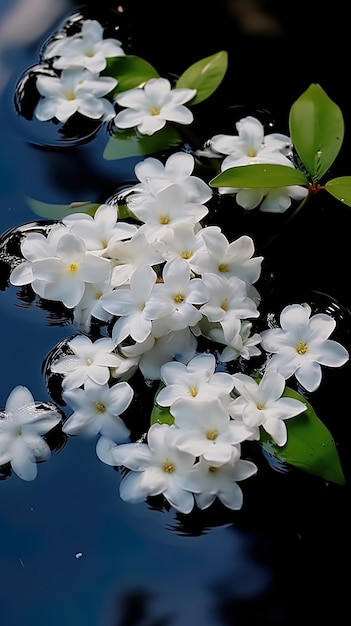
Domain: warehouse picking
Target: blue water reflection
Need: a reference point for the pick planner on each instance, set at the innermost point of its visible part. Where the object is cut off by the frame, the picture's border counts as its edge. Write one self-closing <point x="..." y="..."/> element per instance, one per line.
<point x="72" y="552"/>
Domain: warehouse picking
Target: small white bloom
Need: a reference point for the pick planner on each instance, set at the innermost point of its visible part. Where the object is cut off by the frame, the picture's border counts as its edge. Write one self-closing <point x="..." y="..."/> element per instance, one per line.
<point x="166" y="210"/>
<point x="261" y="404"/>
<point x="154" y="352"/>
<point x="97" y="410"/>
<point x="97" y="231"/>
<point x="205" y="429"/>
<point x="85" y="49"/>
<point x="154" y="177"/>
<point x="21" y="428"/>
<point x="90" y="360"/>
<point x="209" y="482"/>
<point x="196" y="382"/>
<point x="184" y="241"/>
<point x="227" y="298"/>
<point x="228" y="259"/>
<point x="236" y="336"/>
<point x="180" y="295"/>
<point x="301" y="345"/>
<point x="128" y="256"/>
<point x="150" y="107"/>
<point x="158" y="467"/>
<point x="134" y="306"/>
<point x="251" y="145"/>
<point x="75" y="91"/>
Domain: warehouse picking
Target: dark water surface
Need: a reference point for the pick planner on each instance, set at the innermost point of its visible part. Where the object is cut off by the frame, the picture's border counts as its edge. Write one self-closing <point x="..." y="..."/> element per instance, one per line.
<point x="72" y="552"/>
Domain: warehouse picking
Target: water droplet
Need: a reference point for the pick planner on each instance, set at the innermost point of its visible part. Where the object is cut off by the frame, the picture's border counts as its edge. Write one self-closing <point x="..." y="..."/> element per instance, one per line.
<point x="78" y="555"/>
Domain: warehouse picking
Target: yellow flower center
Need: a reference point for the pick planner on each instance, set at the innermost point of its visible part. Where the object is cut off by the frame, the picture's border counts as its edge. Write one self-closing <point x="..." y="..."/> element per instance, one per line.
<point x="179" y="298"/>
<point x="99" y="407"/>
<point x="212" y="434"/>
<point x="72" y="267"/>
<point x="251" y="152"/>
<point x="193" y="391"/>
<point x="168" y="467"/>
<point x="213" y="469"/>
<point x="186" y="254"/>
<point x="70" y="95"/>
<point x="19" y="432"/>
<point x="98" y="295"/>
<point x="301" y="347"/>
<point x="90" y="53"/>
<point x="164" y="219"/>
<point x="89" y="361"/>
<point x="104" y="243"/>
<point x="223" y="267"/>
<point x="154" y="110"/>
<point x="260" y="406"/>
<point x="224" y="304"/>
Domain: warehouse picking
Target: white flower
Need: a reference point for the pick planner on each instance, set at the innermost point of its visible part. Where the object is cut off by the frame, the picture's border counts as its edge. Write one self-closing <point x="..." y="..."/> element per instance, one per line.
<point x="97" y="409"/>
<point x="227" y="299"/>
<point x="184" y="241"/>
<point x="209" y="482"/>
<point x="134" y="306"/>
<point x="251" y="145"/>
<point x="261" y="404"/>
<point x="205" y="429"/>
<point x="150" y="107"/>
<point x="90" y="360"/>
<point x="196" y="382"/>
<point x="166" y="210"/>
<point x="301" y="345"/>
<point x="179" y="294"/>
<point x="227" y="259"/>
<point x="75" y="91"/>
<point x="154" y="352"/>
<point x="158" y="467"/>
<point x="128" y="256"/>
<point x="21" y="428"/>
<point x="236" y="336"/>
<point x="275" y="200"/>
<point x="154" y="177"/>
<point x="85" y="49"/>
<point x="97" y="231"/>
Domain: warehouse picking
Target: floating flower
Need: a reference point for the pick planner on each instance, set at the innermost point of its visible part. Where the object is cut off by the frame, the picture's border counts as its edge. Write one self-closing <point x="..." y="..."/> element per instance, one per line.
<point x="90" y="360"/>
<point x="85" y="49"/>
<point x="205" y="429"/>
<point x="251" y="145"/>
<point x="236" y="336"/>
<point x="75" y="91"/>
<point x="275" y="200"/>
<point x="261" y="404"/>
<point x="22" y="426"/>
<point x="157" y="467"/>
<point x="97" y="410"/>
<point x="302" y="345"/>
<point x="209" y="482"/>
<point x="150" y="107"/>
<point x="227" y="299"/>
<point x="196" y="382"/>
<point x="178" y="168"/>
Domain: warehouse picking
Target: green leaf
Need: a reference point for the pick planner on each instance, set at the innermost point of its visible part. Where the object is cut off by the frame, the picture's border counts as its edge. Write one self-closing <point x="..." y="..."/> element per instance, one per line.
<point x="340" y="188"/>
<point x="259" y="175"/>
<point x="204" y="76"/>
<point x="58" y="211"/>
<point x="310" y="446"/>
<point x="130" y="71"/>
<point x="317" y="130"/>
<point x="161" y="415"/>
<point x="130" y="143"/>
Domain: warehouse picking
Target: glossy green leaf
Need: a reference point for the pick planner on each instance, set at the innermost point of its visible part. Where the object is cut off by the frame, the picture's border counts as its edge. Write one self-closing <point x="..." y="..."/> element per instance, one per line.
<point x="204" y="76"/>
<point x="340" y="188"/>
<point x="130" y="71"/>
<point x="161" y="415"/>
<point x="129" y="143"/>
<point x="310" y="446"/>
<point x="317" y="130"/>
<point x="259" y="175"/>
<point x="58" y="211"/>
